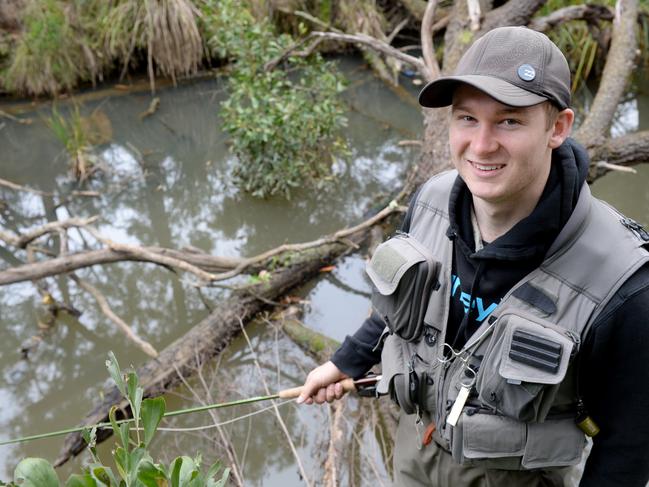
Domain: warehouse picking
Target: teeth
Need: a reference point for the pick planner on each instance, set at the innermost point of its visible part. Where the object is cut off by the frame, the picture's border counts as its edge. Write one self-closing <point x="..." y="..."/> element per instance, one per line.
<point x="487" y="168"/>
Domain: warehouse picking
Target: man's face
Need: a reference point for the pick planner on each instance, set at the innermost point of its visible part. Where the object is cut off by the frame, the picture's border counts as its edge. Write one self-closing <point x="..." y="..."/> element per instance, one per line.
<point x="503" y="153"/>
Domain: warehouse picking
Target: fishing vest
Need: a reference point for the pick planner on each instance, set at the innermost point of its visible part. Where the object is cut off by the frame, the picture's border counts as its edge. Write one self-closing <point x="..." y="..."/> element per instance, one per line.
<point x="507" y="399"/>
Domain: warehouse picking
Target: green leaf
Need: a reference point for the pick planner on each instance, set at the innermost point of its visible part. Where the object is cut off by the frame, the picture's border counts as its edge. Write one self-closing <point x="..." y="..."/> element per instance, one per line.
<point x="35" y="472"/>
<point x="152" y="411"/>
<point x="134" y="459"/>
<point x="152" y="475"/>
<point x="134" y="394"/>
<point x="116" y="373"/>
<point x="121" y="462"/>
<point x="119" y="429"/>
<point x="76" y="480"/>
<point x="182" y="469"/>
<point x="104" y="475"/>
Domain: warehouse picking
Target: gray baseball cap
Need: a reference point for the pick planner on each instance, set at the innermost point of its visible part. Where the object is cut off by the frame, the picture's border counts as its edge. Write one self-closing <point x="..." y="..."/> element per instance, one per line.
<point x="515" y="65"/>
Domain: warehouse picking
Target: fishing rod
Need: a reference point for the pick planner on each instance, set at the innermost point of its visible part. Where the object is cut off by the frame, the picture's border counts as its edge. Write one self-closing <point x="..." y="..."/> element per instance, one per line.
<point x="365" y="386"/>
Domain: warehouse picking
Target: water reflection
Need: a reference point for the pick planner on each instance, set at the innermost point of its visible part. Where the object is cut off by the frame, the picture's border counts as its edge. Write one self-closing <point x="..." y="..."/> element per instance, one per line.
<point x="166" y="183"/>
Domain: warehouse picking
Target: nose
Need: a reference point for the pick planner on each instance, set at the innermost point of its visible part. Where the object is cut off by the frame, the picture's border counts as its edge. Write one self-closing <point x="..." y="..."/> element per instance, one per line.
<point x="484" y="141"/>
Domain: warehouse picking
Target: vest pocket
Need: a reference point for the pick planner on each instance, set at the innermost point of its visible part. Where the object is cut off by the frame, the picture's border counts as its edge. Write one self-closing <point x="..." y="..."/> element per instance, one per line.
<point x="499" y="442"/>
<point x="404" y="273"/>
<point x="525" y="362"/>
<point x="553" y="443"/>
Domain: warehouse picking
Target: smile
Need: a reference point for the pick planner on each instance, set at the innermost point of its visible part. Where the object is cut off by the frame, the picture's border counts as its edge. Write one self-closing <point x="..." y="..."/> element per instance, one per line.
<point x="486" y="167"/>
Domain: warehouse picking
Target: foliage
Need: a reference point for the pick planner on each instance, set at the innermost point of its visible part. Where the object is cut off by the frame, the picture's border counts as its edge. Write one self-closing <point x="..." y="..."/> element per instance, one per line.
<point x="135" y="467"/>
<point x="284" y="123"/>
<point x="584" y="45"/>
<point x="53" y="53"/>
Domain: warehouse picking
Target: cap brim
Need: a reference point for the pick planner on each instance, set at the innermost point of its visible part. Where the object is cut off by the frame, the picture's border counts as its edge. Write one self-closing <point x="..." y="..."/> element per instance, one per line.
<point x="439" y="93"/>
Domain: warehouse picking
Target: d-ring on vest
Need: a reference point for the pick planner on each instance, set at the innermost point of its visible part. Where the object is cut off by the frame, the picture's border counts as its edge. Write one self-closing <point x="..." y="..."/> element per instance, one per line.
<point x="519" y="365"/>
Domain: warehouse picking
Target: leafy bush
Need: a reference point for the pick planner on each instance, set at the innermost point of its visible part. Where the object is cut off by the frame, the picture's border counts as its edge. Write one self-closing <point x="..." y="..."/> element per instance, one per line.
<point x="135" y="466"/>
<point x="284" y="123"/>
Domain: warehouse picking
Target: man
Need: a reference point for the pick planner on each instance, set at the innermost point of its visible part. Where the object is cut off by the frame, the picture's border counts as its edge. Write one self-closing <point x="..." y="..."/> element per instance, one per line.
<point x="510" y="318"/>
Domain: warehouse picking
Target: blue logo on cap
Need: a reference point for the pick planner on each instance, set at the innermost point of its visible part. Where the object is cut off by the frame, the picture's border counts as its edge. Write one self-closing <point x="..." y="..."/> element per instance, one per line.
<point x="526" y="72"/>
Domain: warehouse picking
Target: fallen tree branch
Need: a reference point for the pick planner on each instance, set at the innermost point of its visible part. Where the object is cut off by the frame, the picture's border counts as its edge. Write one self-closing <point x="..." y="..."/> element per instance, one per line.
<point x="589" y="12"/>
<point x="147" y="255"/>
<point x="52" y="227"/>
<point x="428" y="50"/>
<point x="362" y="39"/>
<point x="198" y="263"/>
<point x="18" y="187"/>
<point x="211" y="335"/>
<point x="143" y="345"/>
<point x="620" y="62"/>
<point x="614" y="167"/>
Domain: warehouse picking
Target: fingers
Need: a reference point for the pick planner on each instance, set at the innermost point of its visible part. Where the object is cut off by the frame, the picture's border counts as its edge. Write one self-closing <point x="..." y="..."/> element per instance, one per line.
<point x="322" y="385"/>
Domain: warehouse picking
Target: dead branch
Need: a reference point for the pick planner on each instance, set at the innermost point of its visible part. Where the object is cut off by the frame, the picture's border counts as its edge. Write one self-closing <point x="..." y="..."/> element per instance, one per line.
<point x="18" y="187"/>
<point x="428" y="50"/>
<point x="22" y="121"/>
<point x="375" y="44"/>
<point x="511" y="13"/>
<point x="153" y="257"/>
<point x="590" y="13"/>
<point x="145" y="346"/>
<point x="336" y="437"/>
<point x="416" y="8"/>
<point x="614" y="167"/>
<point x="620" y="62"/>
<point x="52" y="227"/>
<point x="624" y="151"/>
<point x="474" y="14"/>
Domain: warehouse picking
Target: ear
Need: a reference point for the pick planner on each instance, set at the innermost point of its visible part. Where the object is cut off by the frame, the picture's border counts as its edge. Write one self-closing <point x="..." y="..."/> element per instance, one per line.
<point x="561" y="128"/>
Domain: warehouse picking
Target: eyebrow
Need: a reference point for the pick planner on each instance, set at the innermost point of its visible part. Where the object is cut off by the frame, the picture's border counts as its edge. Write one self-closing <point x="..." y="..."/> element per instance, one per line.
<point x="507" y="110"/>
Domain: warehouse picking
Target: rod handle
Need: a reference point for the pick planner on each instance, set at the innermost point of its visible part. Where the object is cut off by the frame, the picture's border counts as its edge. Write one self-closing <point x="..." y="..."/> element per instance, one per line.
<point x="292" y="393"/>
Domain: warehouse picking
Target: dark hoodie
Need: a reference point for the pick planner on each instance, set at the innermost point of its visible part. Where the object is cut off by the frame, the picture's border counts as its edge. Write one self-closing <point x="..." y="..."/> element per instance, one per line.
<point x="614" y="362"/>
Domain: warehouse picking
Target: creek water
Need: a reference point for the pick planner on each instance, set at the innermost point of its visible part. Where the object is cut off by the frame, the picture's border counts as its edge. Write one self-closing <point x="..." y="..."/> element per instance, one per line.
<point x="169" y="185"/>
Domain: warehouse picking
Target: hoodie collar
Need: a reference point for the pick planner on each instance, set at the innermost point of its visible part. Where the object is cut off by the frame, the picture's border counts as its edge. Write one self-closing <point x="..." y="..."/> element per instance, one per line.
<point x="533" y="235"/>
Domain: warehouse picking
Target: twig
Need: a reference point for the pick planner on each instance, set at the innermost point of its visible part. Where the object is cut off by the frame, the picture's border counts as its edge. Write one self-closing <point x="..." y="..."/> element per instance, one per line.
<point x="18" y="187"/>
<point x="402" y="143"/>
<point x="397" y="29"/>
<point x="145" y="346"/>
<point x="22" y="121"/>
<point x="615" y="167"/>
<point x="279" y="417"/>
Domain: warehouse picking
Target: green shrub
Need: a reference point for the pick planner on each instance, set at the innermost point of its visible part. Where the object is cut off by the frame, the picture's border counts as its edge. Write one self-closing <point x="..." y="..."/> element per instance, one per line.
<point x="135" y="467"/>
<point x="285" y="122"/>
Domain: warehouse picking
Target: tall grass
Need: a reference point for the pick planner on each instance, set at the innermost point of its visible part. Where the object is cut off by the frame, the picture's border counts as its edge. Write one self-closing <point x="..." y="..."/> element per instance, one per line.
<point x="50" y="56"/>
<point x="166" y="30"/>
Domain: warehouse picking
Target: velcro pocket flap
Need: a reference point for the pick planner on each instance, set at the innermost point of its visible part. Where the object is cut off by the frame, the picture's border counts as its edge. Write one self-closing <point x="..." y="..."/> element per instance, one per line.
<point x="534" y="353"/>
<point x="390" y="262"/>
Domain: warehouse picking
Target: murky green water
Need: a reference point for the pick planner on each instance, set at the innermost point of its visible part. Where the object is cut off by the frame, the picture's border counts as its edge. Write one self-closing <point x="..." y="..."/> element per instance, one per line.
<point x="168" y="185"/>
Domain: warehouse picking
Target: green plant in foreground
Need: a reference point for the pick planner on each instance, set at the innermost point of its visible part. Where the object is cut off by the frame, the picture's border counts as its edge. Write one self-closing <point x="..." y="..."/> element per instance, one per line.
<point x="135" y="467"/>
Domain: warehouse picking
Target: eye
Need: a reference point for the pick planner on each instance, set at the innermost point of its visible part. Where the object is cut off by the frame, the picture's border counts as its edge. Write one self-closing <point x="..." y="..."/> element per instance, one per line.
<point x="510" y="122"/>
<point x="466" y="118"/>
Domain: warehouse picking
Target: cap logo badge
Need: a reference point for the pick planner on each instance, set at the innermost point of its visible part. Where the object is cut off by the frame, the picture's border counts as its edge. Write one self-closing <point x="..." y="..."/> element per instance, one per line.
<point x="526" y="72"/>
